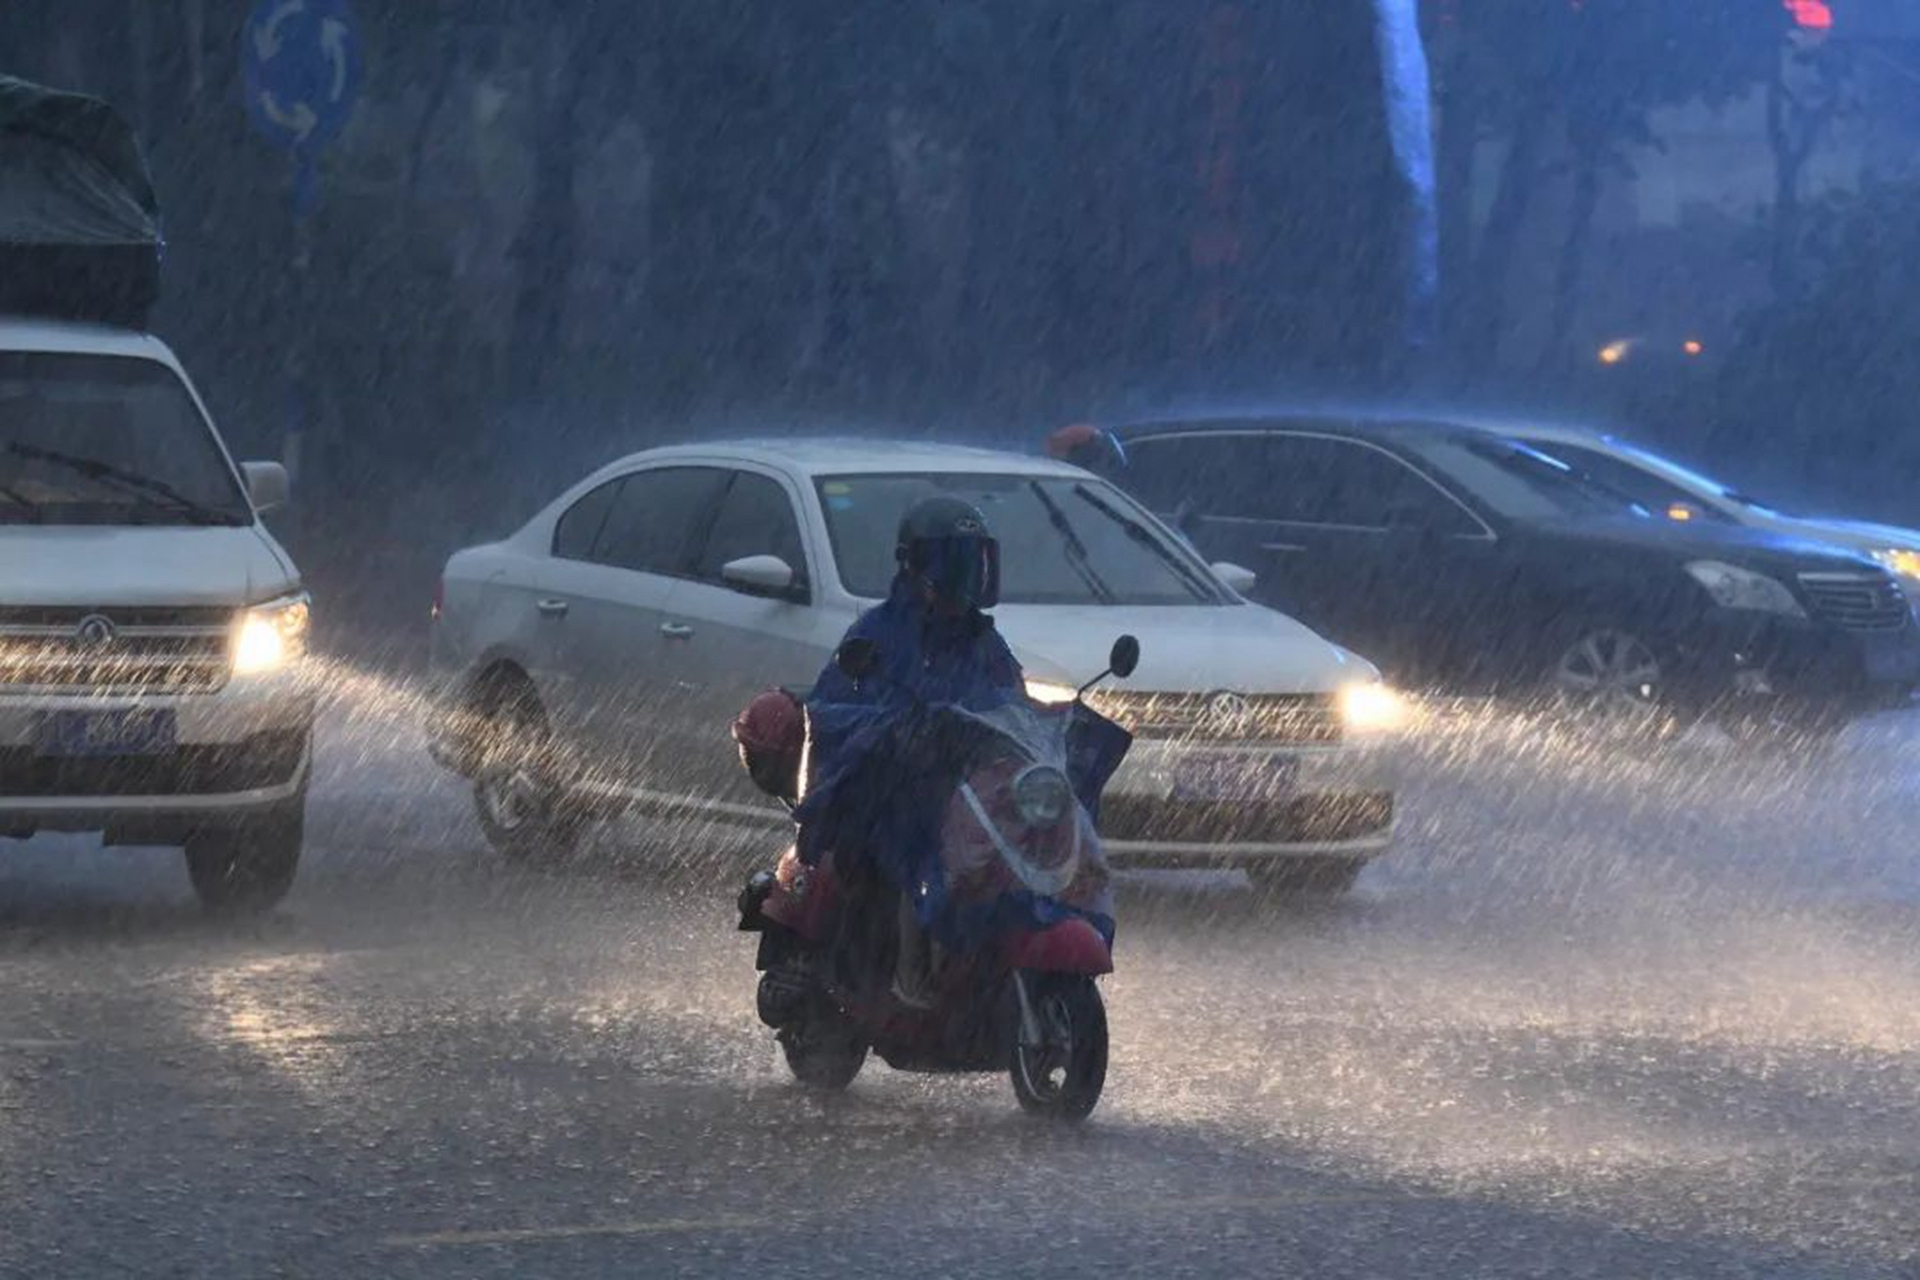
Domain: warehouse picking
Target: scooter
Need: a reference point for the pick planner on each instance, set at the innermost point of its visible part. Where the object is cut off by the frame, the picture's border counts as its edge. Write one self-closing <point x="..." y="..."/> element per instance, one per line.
<point x="1020" y="861"/>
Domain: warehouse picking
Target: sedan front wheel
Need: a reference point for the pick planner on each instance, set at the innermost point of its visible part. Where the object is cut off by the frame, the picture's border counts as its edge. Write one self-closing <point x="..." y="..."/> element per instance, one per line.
<point x="1611" y="680"/>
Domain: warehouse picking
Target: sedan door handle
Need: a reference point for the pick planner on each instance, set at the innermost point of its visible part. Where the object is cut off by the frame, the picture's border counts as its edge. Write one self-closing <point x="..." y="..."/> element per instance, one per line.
<point x="676" y="631"/>
<point x="1283" y="548"/>
<point x="552" y="608"/>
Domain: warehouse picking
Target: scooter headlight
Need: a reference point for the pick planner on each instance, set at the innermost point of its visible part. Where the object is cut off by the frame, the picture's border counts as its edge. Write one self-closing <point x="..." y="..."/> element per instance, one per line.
<point x="1042" y="795"/>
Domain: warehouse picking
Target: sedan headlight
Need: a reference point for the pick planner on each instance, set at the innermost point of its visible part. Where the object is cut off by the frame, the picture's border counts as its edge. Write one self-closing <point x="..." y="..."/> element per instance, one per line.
<point x="1047" y="693"/>
<point x="271" y="635"/>
<point x="1371" y="708"/>
<point x="1903" y="561"/>
<point x="1735" y="588"/>
<point x="1042" y="795"/>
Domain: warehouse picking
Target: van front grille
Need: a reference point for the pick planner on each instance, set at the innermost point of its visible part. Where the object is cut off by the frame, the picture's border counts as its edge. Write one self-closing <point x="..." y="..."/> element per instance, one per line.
<point x="68" y="650"/>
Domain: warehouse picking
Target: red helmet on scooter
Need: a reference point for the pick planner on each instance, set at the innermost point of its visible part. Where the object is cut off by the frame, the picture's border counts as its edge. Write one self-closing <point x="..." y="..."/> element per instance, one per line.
<point x="772" y="732"/>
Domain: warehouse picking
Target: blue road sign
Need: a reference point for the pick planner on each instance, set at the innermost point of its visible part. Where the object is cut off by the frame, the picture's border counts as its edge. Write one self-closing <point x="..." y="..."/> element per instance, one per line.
<point x="300" y="67"/>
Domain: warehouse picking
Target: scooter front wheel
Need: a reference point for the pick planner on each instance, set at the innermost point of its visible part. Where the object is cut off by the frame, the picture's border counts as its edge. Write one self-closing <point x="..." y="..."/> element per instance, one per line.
<point x="824" y="1051"/>
<point x="1061" y="1076"/>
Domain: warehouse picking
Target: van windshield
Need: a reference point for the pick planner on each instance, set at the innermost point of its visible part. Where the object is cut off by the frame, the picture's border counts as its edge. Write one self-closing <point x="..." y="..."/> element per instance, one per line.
<point x="108" y="440"/>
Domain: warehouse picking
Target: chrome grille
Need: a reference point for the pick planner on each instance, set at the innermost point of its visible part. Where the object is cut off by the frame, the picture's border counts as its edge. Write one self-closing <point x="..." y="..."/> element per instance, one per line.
<point x="1858" y="601"/>
<point x="62" y="649"/>
<point x="1282" y="719"/>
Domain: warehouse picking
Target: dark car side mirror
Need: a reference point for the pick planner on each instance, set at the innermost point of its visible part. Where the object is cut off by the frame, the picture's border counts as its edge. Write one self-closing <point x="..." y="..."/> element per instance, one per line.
<point x="857" y="658"/>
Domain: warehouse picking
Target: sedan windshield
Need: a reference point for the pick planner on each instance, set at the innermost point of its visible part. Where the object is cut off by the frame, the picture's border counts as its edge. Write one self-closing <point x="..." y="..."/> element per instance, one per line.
<point x="107" y="440"/>
<point x="1063" y="540"/>
<point x="1522" y="482"/>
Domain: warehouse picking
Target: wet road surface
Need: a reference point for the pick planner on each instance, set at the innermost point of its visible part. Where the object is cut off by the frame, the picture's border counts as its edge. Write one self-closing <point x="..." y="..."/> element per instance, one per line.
<point x="1598" y="1017"/>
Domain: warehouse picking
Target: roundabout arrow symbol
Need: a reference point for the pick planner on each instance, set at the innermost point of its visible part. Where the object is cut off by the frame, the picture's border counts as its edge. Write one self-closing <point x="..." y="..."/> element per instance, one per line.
<point x="266" y="37"/>
<point x="333" y="41"/>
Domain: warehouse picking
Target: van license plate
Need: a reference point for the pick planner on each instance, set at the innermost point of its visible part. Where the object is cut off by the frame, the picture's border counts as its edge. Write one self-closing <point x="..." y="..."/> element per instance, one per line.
<point x="1236" y="778"/>
<point x="96" y="734"/>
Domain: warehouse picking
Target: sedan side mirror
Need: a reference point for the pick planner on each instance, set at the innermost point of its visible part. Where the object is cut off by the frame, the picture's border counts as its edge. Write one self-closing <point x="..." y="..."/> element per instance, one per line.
<point x="267" y="485"/>
<point x="759" y="576"/>
<point x="1238" y="578"/>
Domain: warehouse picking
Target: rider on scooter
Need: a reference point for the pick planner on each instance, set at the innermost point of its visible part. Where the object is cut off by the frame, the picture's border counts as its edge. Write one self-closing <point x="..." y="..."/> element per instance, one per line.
<point x="934" y="644"/>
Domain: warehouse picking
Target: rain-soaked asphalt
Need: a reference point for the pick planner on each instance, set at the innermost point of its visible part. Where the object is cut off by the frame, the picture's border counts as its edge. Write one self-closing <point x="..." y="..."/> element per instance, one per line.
<point x="1598" y="1017"/>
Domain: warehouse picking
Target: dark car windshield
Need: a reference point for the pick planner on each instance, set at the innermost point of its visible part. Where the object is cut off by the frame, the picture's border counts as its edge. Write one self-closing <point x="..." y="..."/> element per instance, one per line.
<point x="1522" y="482"/>
<point x="1063" y="540"/>
<point x="107" y="440"/>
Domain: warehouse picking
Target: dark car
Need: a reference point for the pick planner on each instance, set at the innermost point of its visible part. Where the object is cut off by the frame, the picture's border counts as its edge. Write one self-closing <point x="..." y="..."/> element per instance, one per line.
<point x="1469" y="562"/>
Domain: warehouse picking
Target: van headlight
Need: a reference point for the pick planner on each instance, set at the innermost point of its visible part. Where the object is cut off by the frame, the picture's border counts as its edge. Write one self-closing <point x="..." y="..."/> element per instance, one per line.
<point x="272" y="635"/>
<point x="1735" y="588"/>
<point x="1371" y="708"/>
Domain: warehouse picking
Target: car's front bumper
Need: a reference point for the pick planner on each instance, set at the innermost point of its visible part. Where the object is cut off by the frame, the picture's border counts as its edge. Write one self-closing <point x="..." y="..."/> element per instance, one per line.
<point x="1737" y="653"/>
<point x="238" y="751"/>
<point x="1297" y="802"/>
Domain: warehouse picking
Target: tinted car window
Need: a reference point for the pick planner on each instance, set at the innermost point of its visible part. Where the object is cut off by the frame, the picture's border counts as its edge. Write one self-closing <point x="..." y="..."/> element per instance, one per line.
<point x="755" y="519"/>
<point x="1655" y="492"/>
<point x="1520" y="481"/>
<point x="1320" y="480"/>
<point x="1291" y="478"/>
<point x="576" y="532"/>
<point x="1211" y="475"/>
<point x="655" y="517"/>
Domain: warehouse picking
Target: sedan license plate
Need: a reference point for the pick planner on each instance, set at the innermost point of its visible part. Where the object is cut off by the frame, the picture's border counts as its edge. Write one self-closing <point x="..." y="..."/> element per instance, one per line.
<point x="1236" y="778"/>
<point x="95" y="734"/>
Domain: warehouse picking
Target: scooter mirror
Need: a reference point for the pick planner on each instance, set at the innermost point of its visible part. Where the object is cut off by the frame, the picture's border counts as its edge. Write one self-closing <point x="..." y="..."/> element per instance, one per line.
<point x="857" y="658"/>
<point x="1125" y="656"/>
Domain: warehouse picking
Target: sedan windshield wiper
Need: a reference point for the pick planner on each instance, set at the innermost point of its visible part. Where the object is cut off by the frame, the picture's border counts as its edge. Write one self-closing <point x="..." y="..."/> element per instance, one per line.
<point x="1188" y="575"/>
<point x="125" y="482"/>
<point x="1076" y="550"/>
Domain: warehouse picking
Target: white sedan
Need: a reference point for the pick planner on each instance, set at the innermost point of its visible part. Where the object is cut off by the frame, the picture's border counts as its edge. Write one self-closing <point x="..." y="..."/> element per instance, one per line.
<point x="593" y="661"/>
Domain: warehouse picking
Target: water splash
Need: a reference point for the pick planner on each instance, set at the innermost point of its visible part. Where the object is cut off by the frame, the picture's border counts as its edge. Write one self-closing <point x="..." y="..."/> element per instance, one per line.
<point x="1403" y="72"/>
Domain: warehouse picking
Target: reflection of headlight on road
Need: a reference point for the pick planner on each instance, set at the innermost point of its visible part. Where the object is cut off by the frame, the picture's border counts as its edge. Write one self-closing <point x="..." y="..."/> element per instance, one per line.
<point x="1902" y="561"/>
<point x="1371" y="708"/>
<point x="271" y="635"/>
<point x="1049" y="693"/>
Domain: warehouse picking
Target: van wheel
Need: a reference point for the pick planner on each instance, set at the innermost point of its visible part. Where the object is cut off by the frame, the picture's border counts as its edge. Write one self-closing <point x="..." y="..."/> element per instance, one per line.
<point x="521" y="810"/>
<point x="248" y="869"/>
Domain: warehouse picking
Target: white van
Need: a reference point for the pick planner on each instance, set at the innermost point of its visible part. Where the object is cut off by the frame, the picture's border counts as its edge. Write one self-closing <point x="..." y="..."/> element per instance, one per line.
<point x="151" y="630"/>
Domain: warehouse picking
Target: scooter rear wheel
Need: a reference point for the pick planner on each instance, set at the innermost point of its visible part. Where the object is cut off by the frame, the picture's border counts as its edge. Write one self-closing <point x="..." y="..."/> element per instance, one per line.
<point x="1062" y="1078"/>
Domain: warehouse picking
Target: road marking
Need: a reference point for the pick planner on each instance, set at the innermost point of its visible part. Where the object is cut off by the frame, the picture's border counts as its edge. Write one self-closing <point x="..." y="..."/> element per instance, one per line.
<point x="657" y="1226"/>
<point x="746" y="1222"/>
<point x="35" y="1044"/>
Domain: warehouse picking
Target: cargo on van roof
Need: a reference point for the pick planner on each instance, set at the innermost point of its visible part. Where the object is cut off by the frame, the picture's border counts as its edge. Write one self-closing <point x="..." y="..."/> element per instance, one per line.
<point x="80" y="231"/>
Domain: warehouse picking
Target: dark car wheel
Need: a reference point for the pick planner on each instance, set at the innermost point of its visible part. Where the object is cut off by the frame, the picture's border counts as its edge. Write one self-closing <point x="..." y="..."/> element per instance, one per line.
<point x="1610" y="680"/>
<point x="521" y="810"/>
<point x="1062" y="1078"/>
<point x="250" y="868"/>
